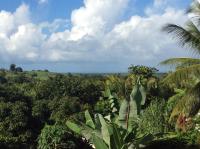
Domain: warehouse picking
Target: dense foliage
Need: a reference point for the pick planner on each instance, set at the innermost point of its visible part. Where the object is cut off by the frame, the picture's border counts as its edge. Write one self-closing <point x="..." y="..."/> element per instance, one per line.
<point x="140" y="109"/>
<point x="30" y="105"/>
<point x="35" y="106"/>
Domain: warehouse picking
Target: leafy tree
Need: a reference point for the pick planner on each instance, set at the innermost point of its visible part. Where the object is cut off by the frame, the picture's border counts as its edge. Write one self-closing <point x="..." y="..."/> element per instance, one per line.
<point x="15" y="118"/>
<point x="64" y="108"/>
<point x="88" y="91"/>
<point x="142" y="70"/>
<point x="41" y="113"/>
<point x="19" y="78"/>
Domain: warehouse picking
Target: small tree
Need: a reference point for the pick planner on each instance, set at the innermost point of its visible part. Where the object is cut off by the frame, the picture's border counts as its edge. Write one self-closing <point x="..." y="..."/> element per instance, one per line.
<point x="142" y="70"/>
<point x="12" y="67"/>
<point x="18" y="69"/>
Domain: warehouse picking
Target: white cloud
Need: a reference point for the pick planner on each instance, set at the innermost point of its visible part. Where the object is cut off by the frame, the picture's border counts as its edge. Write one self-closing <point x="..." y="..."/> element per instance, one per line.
<point x="159" y="6"/>
<point x="9" y="21"/>
<point x="55" y="25"/>
<point x="98" y="34"/>
<point x="19" y="38"/>
<point x="96" y="17"/>
<point x="141" y="39"/>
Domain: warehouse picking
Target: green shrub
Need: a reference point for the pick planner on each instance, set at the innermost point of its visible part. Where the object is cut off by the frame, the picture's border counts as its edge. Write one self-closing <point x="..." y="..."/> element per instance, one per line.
<point x="152" y="120"/>
<point x="57" y="136"/>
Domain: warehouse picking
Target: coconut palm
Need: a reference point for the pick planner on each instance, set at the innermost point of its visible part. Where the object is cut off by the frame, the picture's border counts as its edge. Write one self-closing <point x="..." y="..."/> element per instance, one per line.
<point x="187" y="72"/>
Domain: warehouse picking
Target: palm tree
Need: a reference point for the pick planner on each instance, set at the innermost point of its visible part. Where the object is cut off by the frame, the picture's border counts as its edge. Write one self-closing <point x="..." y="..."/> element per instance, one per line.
<point x="187" y="73"/>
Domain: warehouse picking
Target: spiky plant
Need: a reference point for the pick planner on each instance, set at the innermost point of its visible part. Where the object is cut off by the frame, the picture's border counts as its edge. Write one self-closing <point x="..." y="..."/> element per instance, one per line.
<point x="187" y="72"/>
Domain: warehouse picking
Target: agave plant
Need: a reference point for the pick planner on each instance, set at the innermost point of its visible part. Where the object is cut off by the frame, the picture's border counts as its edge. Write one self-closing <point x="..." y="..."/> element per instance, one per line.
<point x="187" y="74"/>
<point x="104" y="134"/>
<point x="130" y="108"/>
<point x="127" y="114"/>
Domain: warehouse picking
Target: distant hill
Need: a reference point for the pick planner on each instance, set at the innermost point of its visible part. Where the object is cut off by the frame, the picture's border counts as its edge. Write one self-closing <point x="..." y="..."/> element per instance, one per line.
<point x="45" y="74"/>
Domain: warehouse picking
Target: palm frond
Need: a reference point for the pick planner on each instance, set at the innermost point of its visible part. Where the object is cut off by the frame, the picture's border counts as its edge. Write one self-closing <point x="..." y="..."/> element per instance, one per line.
<point x="194" y="8"/>
<point x="181" y="62"/>
<point x="183" y="76"/>
<point x="188" y="36"/>
<point x="172" y="103"/>
<point x="188" y="104"/>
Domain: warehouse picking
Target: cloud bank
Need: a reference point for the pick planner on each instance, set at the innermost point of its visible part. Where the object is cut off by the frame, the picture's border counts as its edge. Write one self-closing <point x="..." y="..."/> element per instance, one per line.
<point x="98" y="34"/>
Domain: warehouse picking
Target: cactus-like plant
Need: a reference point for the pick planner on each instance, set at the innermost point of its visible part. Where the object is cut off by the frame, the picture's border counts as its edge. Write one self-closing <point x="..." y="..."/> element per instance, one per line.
<point x="104" y="134"/>
<point x="130" y="108"/>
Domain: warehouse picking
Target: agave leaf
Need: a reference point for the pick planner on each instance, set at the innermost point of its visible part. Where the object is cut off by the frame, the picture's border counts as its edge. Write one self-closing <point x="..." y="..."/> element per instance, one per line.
<point x="123" y="114"/>
<point x="136" y="99"/>
<point x="83" y="129"/>
<point x="133" y="114"/>
<point x="116" y="141"/>
<point x="97" y="122"/>
<point x="89" y="120"/>
<point x="107" y="92"/>
<point x="143" y="94"/>
<point x="74" y="127"/>
<point x="87" y="133"/>
<point x="106" y="130"/>
<point x="99" y="143"/>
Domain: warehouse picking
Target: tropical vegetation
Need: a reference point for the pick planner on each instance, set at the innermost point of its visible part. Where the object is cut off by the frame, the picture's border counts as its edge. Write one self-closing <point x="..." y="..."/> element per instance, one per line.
<point x="140" y="109"/>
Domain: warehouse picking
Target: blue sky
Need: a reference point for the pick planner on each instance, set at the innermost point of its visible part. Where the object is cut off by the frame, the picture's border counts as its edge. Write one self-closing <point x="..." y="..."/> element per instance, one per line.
<point x="48" y="11"/>
<point x="89" y="35"/>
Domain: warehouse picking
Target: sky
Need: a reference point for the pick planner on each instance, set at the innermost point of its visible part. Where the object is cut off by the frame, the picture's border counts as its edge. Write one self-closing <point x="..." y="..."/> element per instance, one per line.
<point x="89" y="36"/>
